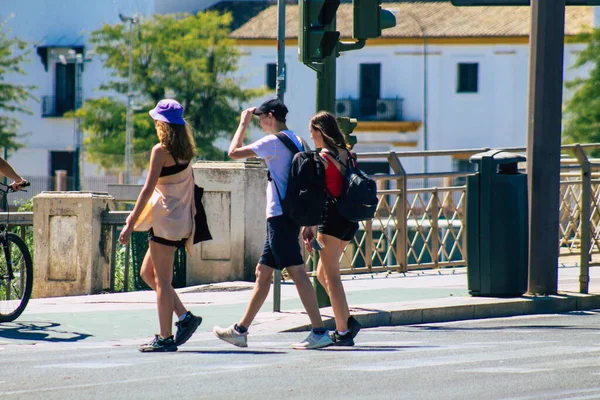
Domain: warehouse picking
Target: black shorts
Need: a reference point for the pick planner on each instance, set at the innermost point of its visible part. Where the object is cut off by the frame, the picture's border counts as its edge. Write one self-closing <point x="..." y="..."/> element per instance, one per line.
<point x="282" y="248"/>
<point x="333" y="224"/>
<point x="166" y="242"/>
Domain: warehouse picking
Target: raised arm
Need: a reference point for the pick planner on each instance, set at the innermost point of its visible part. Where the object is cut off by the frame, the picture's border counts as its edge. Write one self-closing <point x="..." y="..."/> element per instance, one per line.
<point x="237" y="149"/>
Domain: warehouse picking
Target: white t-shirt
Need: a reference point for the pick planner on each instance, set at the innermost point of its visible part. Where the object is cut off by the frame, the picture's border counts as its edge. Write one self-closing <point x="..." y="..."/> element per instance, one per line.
<point x="279" y="160"/>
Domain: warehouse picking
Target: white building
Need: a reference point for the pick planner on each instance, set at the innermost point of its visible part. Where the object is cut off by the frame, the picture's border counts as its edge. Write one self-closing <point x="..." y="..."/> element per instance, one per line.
<point x="472" y="60"/>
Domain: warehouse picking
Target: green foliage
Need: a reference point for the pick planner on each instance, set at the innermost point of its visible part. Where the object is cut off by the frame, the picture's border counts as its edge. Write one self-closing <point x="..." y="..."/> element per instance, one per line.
<point x="186" y="57"/>
<point x="13" y="55"/>
<point x="26" y="206"/>
<point x="582" y="111"/>
<point x="103" y="120"/>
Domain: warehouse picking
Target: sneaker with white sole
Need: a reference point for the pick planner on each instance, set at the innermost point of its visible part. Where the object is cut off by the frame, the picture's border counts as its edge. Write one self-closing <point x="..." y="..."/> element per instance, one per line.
<point x="231" y="335"/>
<point x="314" y="341"/>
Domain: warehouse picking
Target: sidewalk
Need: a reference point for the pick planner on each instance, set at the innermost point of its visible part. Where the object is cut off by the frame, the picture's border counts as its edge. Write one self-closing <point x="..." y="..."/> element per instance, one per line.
<point x="376" y="300"/>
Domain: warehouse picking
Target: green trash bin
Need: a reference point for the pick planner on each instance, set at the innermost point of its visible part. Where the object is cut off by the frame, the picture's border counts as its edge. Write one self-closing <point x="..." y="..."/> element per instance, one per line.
<point x="497" y="226"/>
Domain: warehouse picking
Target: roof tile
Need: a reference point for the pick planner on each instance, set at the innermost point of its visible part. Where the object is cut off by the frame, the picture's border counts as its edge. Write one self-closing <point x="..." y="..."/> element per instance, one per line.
<point x="415" y="19"/>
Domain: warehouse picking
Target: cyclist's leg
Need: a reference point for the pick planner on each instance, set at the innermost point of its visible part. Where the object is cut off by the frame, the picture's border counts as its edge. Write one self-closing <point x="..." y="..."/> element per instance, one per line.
<point x="147" y="274"/>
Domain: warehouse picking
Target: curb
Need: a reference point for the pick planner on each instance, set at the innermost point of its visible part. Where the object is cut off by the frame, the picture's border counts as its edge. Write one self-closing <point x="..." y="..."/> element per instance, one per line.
<point x="461" y="309"/>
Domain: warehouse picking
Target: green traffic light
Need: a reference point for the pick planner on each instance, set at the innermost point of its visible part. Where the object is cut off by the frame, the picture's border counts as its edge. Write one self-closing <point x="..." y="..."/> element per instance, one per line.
<point x="386" y="19"/>
<point x="370" y="19"/>
<point x="316" y="40"/>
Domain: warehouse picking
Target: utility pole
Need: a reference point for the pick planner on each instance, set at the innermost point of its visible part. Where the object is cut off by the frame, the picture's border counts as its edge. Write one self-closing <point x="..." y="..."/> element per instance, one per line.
<point x="280" y="88"/>
<point x="546" y="47"/>
<point x="129" y="116"/>
<point x="78" y="60"/>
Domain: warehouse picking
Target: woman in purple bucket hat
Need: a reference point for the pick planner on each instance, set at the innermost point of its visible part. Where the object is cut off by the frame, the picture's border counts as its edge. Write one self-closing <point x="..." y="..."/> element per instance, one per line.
<point x="166" y="209"/>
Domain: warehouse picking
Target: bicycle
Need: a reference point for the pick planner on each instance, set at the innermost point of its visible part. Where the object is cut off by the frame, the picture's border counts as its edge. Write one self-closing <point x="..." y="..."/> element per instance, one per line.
<point x="16" y="269"/>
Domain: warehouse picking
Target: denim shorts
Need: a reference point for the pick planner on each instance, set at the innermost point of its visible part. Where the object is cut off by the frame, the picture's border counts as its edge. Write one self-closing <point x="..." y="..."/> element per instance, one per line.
<point x="282" y="247"/>
<point x="333" y="224"/>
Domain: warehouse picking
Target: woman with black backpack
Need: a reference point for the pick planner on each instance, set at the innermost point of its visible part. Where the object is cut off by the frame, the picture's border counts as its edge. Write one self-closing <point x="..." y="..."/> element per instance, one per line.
<point x="334" y="230"/>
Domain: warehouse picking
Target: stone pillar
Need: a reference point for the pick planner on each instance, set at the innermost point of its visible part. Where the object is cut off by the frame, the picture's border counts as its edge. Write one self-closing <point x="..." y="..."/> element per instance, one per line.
<point x="72" y="255"/>
<point x="235" y="202"/>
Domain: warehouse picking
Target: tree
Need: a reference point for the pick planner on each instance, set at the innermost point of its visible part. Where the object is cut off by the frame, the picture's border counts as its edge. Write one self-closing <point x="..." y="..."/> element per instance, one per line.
<point x="186" y="57"/>
<point x="104" y="122"/>
<point x="13" y="55"/>
<point x="582" y="110"/>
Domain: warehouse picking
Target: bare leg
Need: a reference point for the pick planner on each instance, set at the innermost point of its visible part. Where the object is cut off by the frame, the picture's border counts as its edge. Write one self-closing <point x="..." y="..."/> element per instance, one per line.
<point x="329" y="266"/>
<point x="264" y="274"/>
<point x="147" y="274"/>
<point x="162" y="258"/>
<point x="307" y="294"/>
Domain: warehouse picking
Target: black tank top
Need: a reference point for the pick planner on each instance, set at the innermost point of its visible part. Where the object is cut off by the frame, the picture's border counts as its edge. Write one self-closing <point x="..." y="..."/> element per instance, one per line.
<point x="173" y="169"/>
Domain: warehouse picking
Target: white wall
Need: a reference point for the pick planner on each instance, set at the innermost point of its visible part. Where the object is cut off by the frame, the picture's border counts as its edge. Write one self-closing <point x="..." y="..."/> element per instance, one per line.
<point x="64" y="23"/>
<point x="496" y="116"/>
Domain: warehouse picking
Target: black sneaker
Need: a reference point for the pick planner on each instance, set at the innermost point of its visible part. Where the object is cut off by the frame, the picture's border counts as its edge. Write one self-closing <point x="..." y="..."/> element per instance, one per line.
<point x="342" y="340"/>
<point x="186" y="328"/>
<point x="353" y="326"/>
<point x="159" y="345"/>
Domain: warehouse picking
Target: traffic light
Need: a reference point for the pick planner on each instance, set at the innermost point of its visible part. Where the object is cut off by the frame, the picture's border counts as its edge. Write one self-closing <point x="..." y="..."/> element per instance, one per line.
<point x="370" y="19"/>
<point x="347" y="125"/>
<point x="315" y="39"/>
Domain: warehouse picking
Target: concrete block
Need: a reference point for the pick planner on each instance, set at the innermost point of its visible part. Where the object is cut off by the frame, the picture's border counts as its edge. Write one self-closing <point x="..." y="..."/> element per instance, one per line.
<point x="451" y="313"/>
<point x="235" y="203"/>
<point x="72" y="255"/>
<point x="406" y="317"/>
<point x="498" y="310"/>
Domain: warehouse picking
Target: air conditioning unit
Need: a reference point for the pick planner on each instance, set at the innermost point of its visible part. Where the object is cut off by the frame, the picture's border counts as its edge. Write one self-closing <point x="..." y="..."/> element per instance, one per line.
<point x="343" y="107"/>
<point x="386" y="109"/>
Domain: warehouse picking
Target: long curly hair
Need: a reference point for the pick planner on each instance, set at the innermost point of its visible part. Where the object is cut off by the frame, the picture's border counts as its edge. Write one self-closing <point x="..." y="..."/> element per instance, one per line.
<point x="333" y="137"/>
<point x="176" y="139"/>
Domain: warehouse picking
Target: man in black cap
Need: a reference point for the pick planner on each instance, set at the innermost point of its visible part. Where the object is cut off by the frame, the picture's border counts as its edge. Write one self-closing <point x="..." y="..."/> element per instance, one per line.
<point x="282" y="249"/>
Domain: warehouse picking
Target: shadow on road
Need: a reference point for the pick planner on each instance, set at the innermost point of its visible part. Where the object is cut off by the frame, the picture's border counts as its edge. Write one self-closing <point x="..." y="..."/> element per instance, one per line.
<point x="367" y="348"/>
<point x="255" y="352"/>
<point x="39" y="331"/>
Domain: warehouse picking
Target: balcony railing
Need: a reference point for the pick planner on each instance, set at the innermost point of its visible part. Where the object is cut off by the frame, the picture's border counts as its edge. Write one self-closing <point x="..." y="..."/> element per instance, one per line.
<point x="370" y="109"/>
<point x="56" y="107"/>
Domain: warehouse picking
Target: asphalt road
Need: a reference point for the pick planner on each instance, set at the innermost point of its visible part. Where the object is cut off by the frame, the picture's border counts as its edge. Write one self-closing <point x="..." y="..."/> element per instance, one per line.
<point x="532" y="357"/>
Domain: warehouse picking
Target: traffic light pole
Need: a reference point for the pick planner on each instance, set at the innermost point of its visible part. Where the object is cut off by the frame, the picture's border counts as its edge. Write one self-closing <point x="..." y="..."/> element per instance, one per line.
<point x="543" y="142"/>
<point x="326" y="86"/>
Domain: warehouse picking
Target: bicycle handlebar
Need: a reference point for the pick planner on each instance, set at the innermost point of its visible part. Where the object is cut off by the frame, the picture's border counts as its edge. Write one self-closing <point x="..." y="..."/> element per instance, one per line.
<point x="11" y="190"/>
<point x="8" y="189"/>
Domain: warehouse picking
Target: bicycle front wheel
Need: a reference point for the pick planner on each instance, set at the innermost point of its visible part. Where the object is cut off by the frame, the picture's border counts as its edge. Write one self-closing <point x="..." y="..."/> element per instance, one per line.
<point x="15" y="287"/>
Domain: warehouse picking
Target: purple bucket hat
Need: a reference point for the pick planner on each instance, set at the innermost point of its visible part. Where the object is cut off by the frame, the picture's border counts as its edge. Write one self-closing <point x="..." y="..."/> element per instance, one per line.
<point x="168" y="110"/>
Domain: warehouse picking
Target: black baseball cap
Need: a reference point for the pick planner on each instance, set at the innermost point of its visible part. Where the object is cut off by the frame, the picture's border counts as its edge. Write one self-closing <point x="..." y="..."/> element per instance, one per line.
<point x="273" y="106"/>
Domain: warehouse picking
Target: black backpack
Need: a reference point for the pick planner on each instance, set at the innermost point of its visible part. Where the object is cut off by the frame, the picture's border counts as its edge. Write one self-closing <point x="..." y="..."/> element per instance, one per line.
<point x="358" y="201"/>
<point x="305" y="196"/>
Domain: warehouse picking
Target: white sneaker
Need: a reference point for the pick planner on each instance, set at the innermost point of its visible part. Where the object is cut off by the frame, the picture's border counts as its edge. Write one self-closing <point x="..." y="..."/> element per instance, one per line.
<point x="314" y="341"/>
<point x="232" y="336"/>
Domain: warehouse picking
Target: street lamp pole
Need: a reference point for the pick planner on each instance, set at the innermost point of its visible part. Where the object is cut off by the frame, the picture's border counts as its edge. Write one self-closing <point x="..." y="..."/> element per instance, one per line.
<point x="425" y="138"/>
<point x="129" y="115"/>
<point x="78" y="60"/>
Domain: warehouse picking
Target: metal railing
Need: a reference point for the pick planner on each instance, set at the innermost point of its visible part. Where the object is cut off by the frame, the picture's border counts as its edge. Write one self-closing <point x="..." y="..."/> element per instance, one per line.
<point x="52" y="107"/>
<point x="423" y="228"/>
<point x="20" y="223"/>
